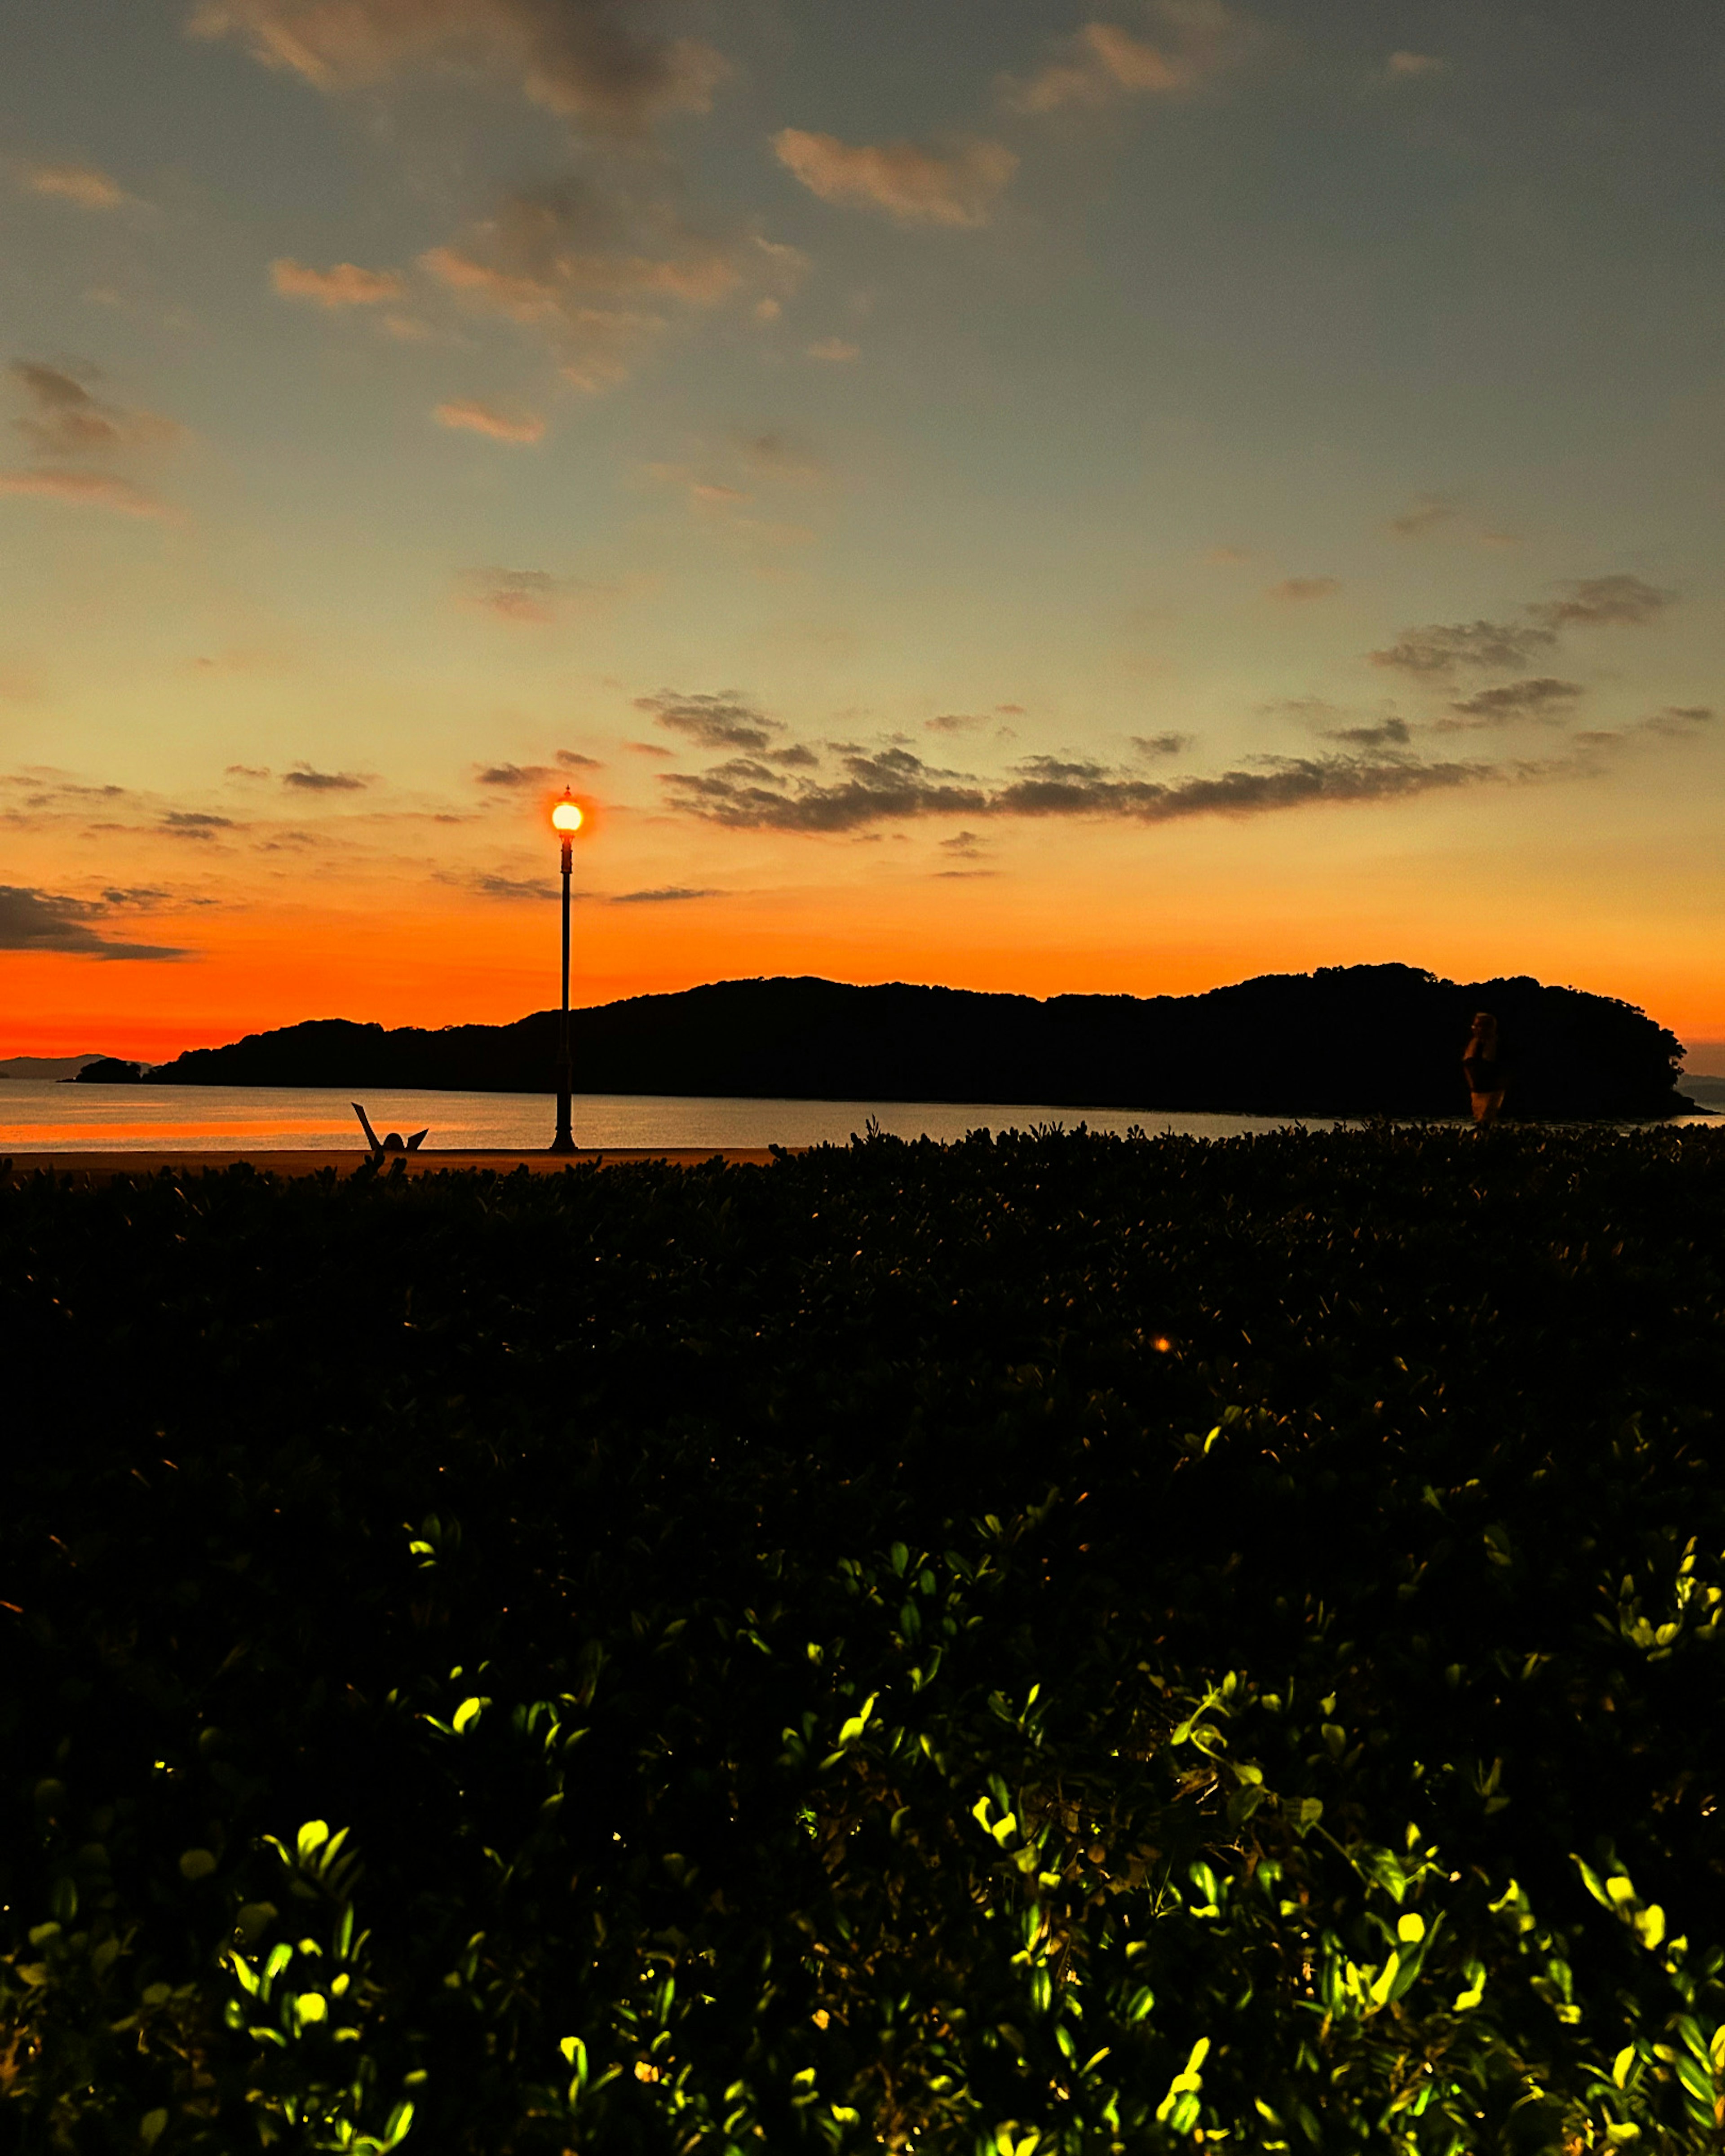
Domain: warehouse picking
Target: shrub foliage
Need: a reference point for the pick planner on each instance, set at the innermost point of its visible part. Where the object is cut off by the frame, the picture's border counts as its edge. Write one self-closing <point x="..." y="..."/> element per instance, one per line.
<point x="1043" y="1646"/>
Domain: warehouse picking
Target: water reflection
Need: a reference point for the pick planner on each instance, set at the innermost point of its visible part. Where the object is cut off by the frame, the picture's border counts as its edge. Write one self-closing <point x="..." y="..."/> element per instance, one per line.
<point x="35" y="1116"/>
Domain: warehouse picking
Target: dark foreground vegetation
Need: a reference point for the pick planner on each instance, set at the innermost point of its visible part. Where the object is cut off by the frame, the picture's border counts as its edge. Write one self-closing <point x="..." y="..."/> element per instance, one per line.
<point x="1347" y="1040"/>
<point x="1055" y="1645"/>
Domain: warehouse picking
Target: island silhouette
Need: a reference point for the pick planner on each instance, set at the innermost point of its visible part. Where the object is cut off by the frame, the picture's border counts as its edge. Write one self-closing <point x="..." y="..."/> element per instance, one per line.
<point x="1344" y="1040"/>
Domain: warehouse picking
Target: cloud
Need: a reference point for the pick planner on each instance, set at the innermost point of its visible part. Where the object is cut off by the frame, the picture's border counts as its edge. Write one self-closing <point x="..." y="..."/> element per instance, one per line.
<point x="82" y="184"/>
<point x="914" y="185"/>
<point x="193" y="824"/>
<point x="1406" y="67"/>
<point x="894" y="785"/>
<point x="247" y="771"/>
<point x="589" y="60"/>
<point x="1225" y="558"/>
<point x="519" y="775"/>
<point x="1440" y="647"/>
<point x="649" y="748"/>
<point x="572" y="759"/>
<point x="721" y="722"/>
<point x="835" y="348"/>
<point x="779" y="455"/>
<point x="32" y="920"/>
<point x="666" y="893"/>
<point x="311" y="781"/>
<point x="591" y="273"/>
<point x="485" y="419"/>
<point x="1428" y="512"/>
<point x="1590" y="603"/>
<point x="1278" y="783"/>
<point x="1297" y="589"/>
<point x="1604" y="603"/>
<point x="1101" y="63"/>
<point x="1679" y="720"/>
<point x="65" y="420"/>
<point x="1540" y="698"/>
<point x="963" y="845"/>
<point x="884" y="786"/>
<point x="1160" y="745"/>
<point x="956" y="722"/>
<point x="1385" y="733"/>
<point x="87" y="491"/>
<point x="530" y="597"/>
<point x="344" y="285"/>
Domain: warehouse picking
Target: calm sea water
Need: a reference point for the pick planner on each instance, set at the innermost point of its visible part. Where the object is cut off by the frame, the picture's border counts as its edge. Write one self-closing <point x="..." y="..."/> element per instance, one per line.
<point x="36" y="1116"/>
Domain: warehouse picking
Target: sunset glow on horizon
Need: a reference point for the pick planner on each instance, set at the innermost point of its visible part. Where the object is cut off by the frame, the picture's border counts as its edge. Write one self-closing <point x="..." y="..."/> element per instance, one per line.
<point x="975" y="494"/>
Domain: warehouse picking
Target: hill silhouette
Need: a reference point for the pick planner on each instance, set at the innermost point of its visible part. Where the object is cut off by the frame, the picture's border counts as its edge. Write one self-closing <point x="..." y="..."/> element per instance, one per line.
<point x="1345" y="1040"/>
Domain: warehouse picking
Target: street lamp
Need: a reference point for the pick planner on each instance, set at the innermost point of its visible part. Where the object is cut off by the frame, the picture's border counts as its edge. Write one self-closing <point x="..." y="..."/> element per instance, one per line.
<point x="566" y="819"/>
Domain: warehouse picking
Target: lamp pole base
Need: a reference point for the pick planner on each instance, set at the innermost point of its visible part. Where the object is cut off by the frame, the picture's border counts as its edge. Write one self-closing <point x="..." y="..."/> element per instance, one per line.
<point x="564" y="1142"/>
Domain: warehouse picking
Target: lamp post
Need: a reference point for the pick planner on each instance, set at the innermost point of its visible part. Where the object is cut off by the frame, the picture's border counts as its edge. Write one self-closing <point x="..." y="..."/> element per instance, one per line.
<point x="566" y="819"/>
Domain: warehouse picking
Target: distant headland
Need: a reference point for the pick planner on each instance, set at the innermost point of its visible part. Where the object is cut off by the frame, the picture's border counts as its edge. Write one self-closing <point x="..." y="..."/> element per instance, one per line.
<point x="1354" y="1041"/>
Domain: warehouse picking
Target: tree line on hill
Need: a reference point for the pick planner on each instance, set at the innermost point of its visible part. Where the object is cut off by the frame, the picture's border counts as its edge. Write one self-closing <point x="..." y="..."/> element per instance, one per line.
<point x="1356" y="1041"/>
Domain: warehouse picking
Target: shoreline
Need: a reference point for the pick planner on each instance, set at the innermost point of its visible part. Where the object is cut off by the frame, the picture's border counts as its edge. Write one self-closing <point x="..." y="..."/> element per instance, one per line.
<point x="97" y="1167"/>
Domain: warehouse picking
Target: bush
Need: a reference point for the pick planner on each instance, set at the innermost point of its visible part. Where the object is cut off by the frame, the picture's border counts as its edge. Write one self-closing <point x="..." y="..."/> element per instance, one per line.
<point x="1054" y="1645"/>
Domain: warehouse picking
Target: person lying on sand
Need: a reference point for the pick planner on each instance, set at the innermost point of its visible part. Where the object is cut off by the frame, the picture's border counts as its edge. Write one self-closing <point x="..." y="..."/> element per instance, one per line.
<point x="393" y="1142"/>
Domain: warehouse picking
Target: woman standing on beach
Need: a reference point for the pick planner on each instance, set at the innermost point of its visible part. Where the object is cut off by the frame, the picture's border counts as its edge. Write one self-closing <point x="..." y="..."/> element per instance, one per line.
<point x="1484" y="1070"/>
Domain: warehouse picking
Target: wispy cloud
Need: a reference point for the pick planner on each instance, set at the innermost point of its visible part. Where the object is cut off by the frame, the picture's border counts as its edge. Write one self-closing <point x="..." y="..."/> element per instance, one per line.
<point x="540" y="888"/>
<point x="779" y="455"/>
<point x="307" y="779"/>
<point x="35" y="920"/>
<point x="884" y="786"/>
<point x="594" y="274"/>
<point x="193" y="824"/>
<point x="1297" y="590"/>
<point x="1102" y="63"/>
<point x="485" y="419"/>
<point x="344" y="286"/>
<point x="583" y="60"/>
<point x="833" y="348"/>
<point x="531" y="599"/>
<point x="725" y="721"/>
<point x="85" y="185"/>
<point x="517" y="775"/>
<point x="912" y="183"/>
<point x="65" y="420"/>
<point x="1604" y="603"/>
<point x="1427" y="512"/>
<point x="894" y="785"/>
<point x="88" y="490"/>
<point x="1679" y="721"/>
<point x="1409" y="67"/>
<point x="1380" y="733"/>
<point x="1153" y="747"/>
<point x="1440" y="647"/>
<point x="1541" y="697"/>
<point x="957" y="722"/>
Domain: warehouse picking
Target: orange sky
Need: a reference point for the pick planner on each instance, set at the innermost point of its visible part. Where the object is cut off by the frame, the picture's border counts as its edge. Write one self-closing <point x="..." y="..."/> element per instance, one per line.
<point x="964" y="508"/>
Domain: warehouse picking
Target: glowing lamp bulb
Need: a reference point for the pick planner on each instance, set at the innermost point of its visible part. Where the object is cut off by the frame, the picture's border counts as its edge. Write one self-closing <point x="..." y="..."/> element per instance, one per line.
<point x="567" y="816"/>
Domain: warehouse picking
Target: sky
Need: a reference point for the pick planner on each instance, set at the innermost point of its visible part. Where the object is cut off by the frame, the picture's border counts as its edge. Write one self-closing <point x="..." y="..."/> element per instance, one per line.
<point x="970" y="491"/>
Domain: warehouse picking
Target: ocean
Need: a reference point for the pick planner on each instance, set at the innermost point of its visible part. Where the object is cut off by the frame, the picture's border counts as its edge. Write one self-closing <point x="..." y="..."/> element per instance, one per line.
<point x="40" y="1116"/>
